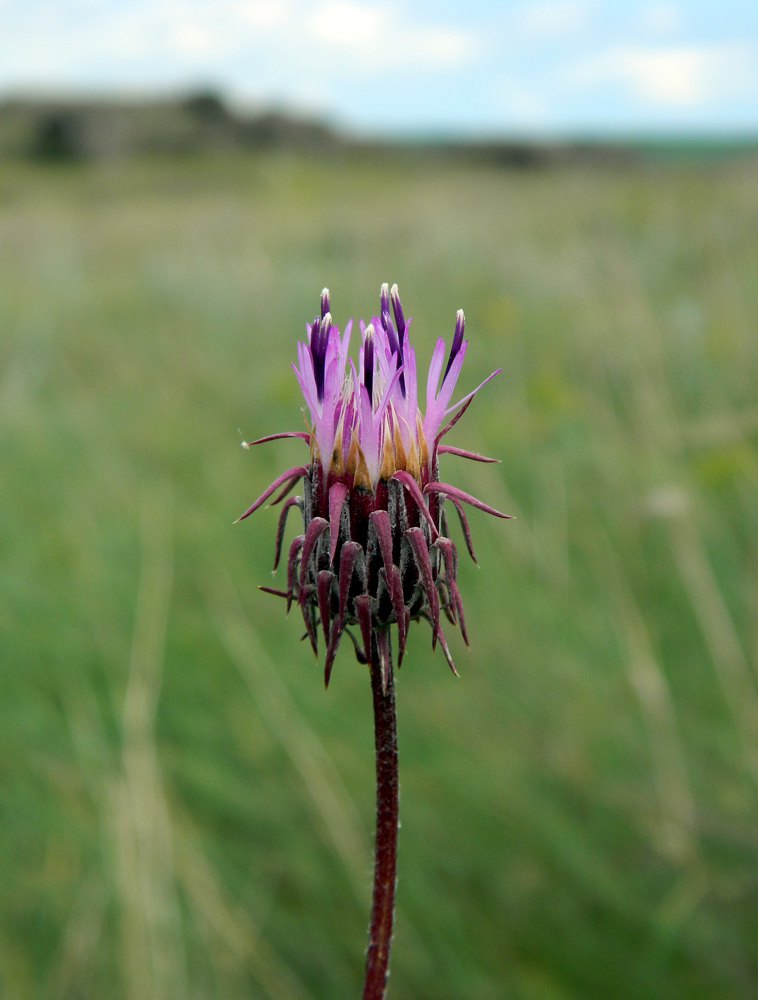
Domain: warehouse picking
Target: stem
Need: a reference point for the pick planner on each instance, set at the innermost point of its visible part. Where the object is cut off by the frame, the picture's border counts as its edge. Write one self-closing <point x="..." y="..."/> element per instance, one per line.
<point x="382" y="907"/>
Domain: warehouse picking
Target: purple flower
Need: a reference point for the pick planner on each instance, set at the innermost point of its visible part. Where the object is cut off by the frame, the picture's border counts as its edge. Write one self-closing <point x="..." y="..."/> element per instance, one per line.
<point x="374" y="549"/>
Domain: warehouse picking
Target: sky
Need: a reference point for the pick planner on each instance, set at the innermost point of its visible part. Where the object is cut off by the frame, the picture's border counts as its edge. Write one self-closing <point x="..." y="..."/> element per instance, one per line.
<point x="448" y="67"/>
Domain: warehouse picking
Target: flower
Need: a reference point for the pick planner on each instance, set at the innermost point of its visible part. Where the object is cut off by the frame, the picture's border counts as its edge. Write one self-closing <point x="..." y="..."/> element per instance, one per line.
<point x="374" y="550"/>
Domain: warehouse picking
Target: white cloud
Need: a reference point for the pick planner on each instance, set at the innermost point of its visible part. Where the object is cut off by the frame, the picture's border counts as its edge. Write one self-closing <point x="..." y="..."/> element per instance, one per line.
<point x="347" y="24"/>
<point x="286" y="40"/>
<point x="444" y="46"/>
<point x="662" y="18"/>
<point x="193" y="40"/>
<point x="379" y="37"/>
<point x="676" y="76"/>
<point x="554" y="18"/>
<point x="261" y="13"/>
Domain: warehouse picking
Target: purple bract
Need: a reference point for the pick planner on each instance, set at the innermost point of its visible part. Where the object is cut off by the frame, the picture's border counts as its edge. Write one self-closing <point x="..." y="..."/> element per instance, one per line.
<point x="374" y="550"/>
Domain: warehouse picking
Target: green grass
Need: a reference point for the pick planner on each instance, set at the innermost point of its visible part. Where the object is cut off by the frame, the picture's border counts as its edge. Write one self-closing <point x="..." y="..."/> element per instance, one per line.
<point x="185" y="812"/>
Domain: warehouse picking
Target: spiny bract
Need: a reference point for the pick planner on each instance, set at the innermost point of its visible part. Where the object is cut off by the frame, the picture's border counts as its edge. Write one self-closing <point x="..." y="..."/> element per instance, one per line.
<point x="374" y="550"/>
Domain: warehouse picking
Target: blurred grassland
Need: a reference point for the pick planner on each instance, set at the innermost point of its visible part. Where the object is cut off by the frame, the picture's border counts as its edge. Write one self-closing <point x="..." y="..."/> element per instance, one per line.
<point x="185" y="812"/>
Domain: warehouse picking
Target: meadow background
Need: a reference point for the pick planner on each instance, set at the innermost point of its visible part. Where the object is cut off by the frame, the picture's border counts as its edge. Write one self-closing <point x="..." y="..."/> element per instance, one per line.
<point x="185" y="813"/>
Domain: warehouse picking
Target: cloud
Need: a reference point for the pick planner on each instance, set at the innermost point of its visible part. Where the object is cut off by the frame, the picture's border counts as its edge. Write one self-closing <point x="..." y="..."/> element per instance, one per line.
<point x="288" y="40"/>
<point x="380" y="37"/>
<point x="446" y="47"/>
<point x="662" y="18"/>
<point x="260" y="13"/>
<point x="347" y="24"/>
<point x="676" y="76"/>
<point x="554" y="18"/>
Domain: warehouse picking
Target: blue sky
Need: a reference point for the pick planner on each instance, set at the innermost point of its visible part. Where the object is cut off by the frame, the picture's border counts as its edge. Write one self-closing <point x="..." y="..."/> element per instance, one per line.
<point x="380" y="66"/>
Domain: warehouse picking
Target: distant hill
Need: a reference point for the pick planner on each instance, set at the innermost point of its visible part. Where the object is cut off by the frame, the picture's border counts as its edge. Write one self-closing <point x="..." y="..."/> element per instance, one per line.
<point x="102" y="128"/>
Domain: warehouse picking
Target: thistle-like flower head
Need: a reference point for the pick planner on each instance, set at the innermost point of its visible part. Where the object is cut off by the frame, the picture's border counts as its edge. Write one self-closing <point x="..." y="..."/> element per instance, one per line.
<point x="374" y="550"/>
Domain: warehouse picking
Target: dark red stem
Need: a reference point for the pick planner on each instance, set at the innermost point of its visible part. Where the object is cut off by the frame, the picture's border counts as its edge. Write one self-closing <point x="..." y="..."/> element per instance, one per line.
<point x="382" y="907"/>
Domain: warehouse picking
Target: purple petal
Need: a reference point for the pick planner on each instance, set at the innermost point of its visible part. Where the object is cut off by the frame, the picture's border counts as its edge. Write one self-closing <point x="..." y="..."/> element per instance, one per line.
<point x="394" y="375"/>
<point x="307" y="379"/>
<point x="384" y="298"/>
<point x="367" y="370"/>
<point x="368" y="431"/>
<point x="449" y="426"/>
<point x="397" y="309"/>
<point x="409" y="363"/>
<point x="451" y="377"/>
<point x="319" y="346"/>
<point x="435" y="367"/>
<point x="389" y="329"/>
<point x="472" y="394"/>
<point x="460" y="325"/>
<point x="345" y="343"/>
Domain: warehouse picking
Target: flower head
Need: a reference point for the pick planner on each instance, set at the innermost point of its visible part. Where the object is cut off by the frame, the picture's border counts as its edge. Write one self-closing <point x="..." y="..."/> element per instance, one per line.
<point x="374" y="550"/>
